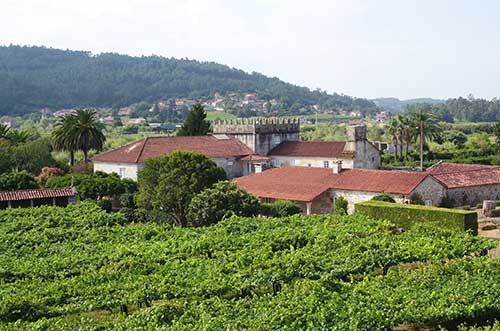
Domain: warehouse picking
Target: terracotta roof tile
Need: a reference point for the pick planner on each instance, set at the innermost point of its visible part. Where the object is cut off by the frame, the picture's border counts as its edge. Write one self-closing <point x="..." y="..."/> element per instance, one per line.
<point x="289" y="183"/>
<point x="36" y="194"/>
<point x="305" y="184"/>
<point x="210" y="146"/>
<point x="310" y="148"/>
<point x="489" y="176"/>
<point x="444" y="167"/>
<point x="397" y="182"/>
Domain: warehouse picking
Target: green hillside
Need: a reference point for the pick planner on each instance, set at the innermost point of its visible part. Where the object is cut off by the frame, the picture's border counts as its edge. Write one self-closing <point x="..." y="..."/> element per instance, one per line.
<point x="36" y="77"/>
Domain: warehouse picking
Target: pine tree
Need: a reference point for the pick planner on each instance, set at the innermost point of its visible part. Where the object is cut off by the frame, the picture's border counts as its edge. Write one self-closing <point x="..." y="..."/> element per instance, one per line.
<point x="196" y="123"/>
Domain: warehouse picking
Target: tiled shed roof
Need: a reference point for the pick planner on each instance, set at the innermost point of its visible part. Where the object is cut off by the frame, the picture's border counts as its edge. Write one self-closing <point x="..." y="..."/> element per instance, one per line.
<point x="36" y="194"/>
<point x="305" y="183"/>
<point x="444" y="167"/>
<point x="288" y="183"/>
<point x="210" y="146"/>
<point x="333" y="149"/>
<point x="483" y="177"/>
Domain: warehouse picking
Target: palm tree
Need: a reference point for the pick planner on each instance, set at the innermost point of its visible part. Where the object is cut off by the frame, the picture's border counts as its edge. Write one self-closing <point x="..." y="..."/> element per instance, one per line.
<point x="64" y="136"/>
<point x="405" y="126"/>
<point x="18" y="136"/>
<point x="88" y="132"/>
<point x="79" y="131"/>
<point x="427" y="127"/>
<point x="392" y="128"/>
<point x="4" y="131"/>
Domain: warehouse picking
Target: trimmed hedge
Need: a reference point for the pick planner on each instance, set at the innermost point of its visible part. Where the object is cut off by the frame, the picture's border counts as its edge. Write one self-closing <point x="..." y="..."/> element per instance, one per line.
<point x="407" y="216"/>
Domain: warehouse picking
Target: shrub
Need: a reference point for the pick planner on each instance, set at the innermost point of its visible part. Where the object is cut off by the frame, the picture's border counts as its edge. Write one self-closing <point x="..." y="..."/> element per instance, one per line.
<point x="17" y="180"/>
<point x="416" y="199"/>
<point x="408" y="216"/>
<point x="384" y="197"/>
<point x="105" y="204"/>
<point x="96" y="185"/>
<point x="280" y="208"/>
<point x="47" y="173"/>
<point x="341" y="205"/>
<point x="447" y="202"/>
<point x="127" y="200"/>
<point x="222" y="200"/>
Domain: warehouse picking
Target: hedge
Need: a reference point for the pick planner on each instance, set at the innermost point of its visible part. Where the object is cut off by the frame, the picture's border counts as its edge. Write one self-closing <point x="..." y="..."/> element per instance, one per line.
<point x="406" y="216"/>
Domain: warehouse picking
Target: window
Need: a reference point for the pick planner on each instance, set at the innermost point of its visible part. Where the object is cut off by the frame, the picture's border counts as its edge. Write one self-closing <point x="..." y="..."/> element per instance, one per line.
<point x="326" y="164"/>
<point x="267" y="200"/>
<point x="309" y="165"/>
<point x="428" y="202"/>
<point x="121" y="172"/>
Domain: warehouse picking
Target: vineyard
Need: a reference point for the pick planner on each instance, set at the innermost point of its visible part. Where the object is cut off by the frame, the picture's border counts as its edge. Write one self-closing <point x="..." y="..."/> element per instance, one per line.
<point x="82" y="268"/>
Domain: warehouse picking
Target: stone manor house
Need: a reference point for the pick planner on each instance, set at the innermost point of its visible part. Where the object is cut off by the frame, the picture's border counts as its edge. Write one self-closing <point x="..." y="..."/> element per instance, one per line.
<point x="267" y="158"/>
<point x="244" y="147"/>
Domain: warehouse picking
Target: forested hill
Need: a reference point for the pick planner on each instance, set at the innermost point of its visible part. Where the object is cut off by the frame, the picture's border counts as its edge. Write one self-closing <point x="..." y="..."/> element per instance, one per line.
<point x="35" y="77"/>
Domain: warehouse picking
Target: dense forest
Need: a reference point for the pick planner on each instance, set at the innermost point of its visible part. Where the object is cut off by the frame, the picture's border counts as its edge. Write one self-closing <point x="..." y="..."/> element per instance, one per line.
<point x="36" y="77"/>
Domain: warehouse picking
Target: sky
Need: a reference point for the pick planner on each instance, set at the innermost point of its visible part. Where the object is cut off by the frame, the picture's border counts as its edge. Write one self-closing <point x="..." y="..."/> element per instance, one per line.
<point x="363" y="48"/>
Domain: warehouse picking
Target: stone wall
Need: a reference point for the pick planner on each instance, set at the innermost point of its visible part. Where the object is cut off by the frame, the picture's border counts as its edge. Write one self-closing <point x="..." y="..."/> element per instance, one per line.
<point x="232" y="166"/>
<point x="431" y="190"/>
<point x="354" y="197"/>
<point x="473" y="195"/>
<point x="366" y="156"/>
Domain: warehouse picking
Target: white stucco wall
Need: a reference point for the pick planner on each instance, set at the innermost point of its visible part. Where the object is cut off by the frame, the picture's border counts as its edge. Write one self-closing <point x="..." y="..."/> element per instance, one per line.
<point x="305" y="161"/>
<point x="129" y="169"/>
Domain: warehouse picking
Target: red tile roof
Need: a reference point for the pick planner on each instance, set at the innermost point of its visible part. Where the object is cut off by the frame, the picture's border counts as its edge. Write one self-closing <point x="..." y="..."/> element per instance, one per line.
<point x="305" y="184"/>
<point x="210" y="146"/>
<point x="390" y="181"/>
<point x="288" y="183"/>
<point x="444" y="167"/>
<point x="490" y="176"/>
<point x="311" y="148"/>
<point x="36" y="194"/>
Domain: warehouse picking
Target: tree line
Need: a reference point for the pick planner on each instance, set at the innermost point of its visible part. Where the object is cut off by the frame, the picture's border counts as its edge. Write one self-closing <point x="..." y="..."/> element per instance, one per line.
<point x="462" y="110"/>
<point x="36" y="77"/>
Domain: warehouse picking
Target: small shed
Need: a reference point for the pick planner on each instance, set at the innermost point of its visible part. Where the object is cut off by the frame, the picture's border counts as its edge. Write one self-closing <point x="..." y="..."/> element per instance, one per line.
<point x="38" y="197"/>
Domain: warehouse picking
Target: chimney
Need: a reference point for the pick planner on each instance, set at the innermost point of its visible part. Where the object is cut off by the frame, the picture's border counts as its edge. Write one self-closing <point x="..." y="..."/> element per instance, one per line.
<point x="337" y="167"/>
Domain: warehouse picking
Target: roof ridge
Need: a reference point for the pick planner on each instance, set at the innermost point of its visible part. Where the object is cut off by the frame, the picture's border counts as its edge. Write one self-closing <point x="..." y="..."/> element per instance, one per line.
<point x="142" y="149"/>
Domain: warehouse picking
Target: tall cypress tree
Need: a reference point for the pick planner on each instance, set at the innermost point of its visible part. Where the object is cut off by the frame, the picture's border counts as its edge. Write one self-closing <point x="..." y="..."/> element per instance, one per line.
<point x="196" y="123"/>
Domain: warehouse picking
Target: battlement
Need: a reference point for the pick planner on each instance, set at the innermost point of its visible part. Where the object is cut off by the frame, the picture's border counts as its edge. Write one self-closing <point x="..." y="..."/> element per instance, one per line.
<point x="257" y="125"/>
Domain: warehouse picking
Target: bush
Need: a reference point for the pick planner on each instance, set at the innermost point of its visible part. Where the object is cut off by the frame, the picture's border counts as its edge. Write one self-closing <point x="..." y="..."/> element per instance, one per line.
<point x="280" y="208"/>
<point x="447" y="202"/>
<point x="408" y="216"/>
<point x="222" y="200"/>
<point x="96" y="185"/>
<point x="384" y="197"/>
<point x="127" y="200"/>
<point x="47" y="173"/>
<point x="105" y="204"/>
<point x="341" y="205"/>
<point x="416" y="199"/>
<point x="17" y="180"/>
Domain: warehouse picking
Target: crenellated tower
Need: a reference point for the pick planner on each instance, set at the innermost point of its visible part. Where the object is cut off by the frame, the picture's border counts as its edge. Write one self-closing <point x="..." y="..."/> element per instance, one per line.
<point x="260" y="134"/>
